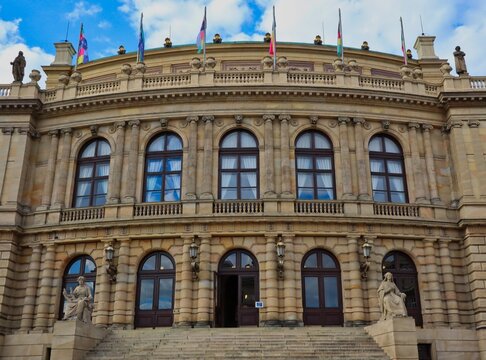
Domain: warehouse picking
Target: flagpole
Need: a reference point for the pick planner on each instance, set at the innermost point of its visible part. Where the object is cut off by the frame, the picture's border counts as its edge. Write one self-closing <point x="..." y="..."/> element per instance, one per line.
<point x="342" y="38"/>
<point x="404" y="50"/>
<point x="274" y="41"/>
<point x="76" y="62"/>
<point x="204" y="40"/>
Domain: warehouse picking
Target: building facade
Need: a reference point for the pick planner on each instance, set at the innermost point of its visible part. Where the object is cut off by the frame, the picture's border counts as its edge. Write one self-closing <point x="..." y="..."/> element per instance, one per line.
<point x="217" y="186"/>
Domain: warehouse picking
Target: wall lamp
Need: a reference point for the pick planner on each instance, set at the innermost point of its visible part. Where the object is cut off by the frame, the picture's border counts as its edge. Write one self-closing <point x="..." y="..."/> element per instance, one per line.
<point x="365" y="266"/>
<point x="193" y="253"/>
<point x="280" y="256"/>
<point x="111" y="269"/>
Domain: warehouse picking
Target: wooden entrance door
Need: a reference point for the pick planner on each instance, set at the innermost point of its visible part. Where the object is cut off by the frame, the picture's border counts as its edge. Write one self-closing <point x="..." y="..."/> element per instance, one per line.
<point x="321" y="289"/>
<point x="237" y="290"/>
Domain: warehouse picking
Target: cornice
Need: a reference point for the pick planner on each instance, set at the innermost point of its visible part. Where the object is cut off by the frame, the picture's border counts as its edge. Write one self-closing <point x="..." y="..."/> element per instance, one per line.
<point x="22" y="106"/>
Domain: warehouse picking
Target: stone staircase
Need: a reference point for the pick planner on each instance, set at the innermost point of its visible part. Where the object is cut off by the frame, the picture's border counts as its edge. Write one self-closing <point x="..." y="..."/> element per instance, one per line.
<point x="238" y="343"/>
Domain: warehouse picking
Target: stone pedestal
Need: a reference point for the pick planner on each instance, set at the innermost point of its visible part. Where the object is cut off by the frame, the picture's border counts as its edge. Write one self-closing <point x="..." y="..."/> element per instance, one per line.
<point x="397" y="337"/>
<point x="73" y="339"/>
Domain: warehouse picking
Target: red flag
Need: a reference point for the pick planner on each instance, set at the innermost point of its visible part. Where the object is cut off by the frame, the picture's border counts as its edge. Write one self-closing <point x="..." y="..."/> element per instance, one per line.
<point x="273" y="42"/>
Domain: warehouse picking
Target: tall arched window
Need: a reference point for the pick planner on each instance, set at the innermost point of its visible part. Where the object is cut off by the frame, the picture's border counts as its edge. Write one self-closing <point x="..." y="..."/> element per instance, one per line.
<point x="92" y="174"/>
<point x="82" y="265"/>
<point x="405" y="277"/>
<point x="315" y="167"/>
<point x="163" y="169"/>
<point x="387" y="170"/>
<point x="238" y="166"/>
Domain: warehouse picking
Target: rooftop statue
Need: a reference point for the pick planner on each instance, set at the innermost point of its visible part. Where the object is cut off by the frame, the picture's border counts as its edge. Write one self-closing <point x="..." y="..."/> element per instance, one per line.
<point x="459" y="55"/>
<point x="391" y="300"/>
<point x="78" y="302"/>
<point x="18" y="66"/>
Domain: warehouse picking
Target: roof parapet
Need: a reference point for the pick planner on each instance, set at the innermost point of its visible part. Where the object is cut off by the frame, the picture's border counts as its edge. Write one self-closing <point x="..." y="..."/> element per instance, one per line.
<point x="425" y="48"/>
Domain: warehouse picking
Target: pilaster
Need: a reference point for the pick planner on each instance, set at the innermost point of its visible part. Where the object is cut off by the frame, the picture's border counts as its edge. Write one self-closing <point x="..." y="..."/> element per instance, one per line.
<point x="50" y="172"/>
<point x="116" y="164"/>
<point x="207" y="185"/>
<point x="204" y="288"/>
<point x="417" y="168"/>
<point x="269" y="166"/>
<point x="429" y="162"/>
<point x="345" y="159"/>
<point x="363" y="174"/>
<point x="62" y="171"/>
<point x="191" y="168"/>
<point x="132" y="167"/>
<point x="31" y="289"/>
<point x="271" y="285"/>
<point x="285" y="155"/>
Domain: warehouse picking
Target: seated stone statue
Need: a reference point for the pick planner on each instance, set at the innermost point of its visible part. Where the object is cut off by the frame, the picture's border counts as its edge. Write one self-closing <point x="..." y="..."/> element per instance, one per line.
<point x="392" y="301"/>
<point x="78" y="302"/>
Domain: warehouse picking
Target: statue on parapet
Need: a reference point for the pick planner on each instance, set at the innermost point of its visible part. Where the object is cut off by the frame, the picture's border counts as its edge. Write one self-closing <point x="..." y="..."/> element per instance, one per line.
<point x="391" y="300"/>
<point x="78" y="302"/>
<point x="459" y="55"/>
<point x="18" y="66"/>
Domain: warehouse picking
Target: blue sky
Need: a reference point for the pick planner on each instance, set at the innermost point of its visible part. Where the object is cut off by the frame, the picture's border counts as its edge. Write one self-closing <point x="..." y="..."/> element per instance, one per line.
<point x="33" y="26"/>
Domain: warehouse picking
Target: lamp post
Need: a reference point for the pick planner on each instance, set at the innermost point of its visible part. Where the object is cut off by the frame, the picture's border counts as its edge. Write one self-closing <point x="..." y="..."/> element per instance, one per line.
<point x="365" y="266"/>
<point x="111" y="269"/>
<point x="280" y="256"/>
<point x="193" y="253"/>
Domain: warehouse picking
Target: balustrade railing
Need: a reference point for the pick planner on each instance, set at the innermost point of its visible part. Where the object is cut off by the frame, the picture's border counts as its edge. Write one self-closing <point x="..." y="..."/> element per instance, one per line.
<point x="478" y="83"/>
<point x="379" y="83"/>
<point x="157" y="209"/>
<point x="5" y="90"/>
<point x="236" y="78"/>
<point x="396" y="210"/>
<point x="238" y="207"/>
<point x="50" y="95"/>
<point x="311" y="78"/>
<point x="82" y="214"/>
<point x="163" y="81"/>
<point x="319" y="207"/>
<point x="99" y="88"/>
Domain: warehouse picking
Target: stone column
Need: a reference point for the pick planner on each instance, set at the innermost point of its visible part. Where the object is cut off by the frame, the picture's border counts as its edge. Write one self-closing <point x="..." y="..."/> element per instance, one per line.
<point x="103" y="290"/>
<point x="374" y="279"/>
<point x="345" y="158"/>
<point x="191" y="167"/>
<point x="45" y="291"/>
<point x="449" y="287"/>
<point x="436" y="312"/>
<point x="207" y="185"/>
<point x="62" y="171"/>
<point x="269" y="166"/>
<point x="31" y="289"/>
<point x="132" y="171"/>
<point x="429" y="162"/>
<point x="355" y="283"/>
<point x="271" y="285"/>
<point x="290" y="296"/>
<point x="51" y="167"/>
<point x="285" y="154"/>
<point x="204" y="292"/>
<point x="363" y="174"/>
<point x="417" y="167"/>
<point x="477" y="144"/>
<point x="114" y="184"/>
<point x="185" y="311"/>
<point x="459" y="157"/>
<point x="121" y="287"/>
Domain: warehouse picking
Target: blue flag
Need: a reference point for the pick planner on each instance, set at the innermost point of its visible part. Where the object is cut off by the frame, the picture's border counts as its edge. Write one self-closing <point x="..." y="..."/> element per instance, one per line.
<point x="141" y="42"/>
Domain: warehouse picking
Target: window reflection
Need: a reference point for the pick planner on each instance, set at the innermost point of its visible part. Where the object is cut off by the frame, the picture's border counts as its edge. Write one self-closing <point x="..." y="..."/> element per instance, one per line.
<point x="230" y="261"/>
<point x="311" y="292"/>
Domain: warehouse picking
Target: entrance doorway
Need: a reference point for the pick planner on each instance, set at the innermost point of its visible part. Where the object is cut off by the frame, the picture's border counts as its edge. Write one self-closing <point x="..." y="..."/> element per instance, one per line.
<point x="237" y="290"/>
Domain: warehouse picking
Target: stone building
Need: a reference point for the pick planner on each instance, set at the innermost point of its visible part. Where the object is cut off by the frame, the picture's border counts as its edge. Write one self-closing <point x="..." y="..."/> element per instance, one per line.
<point x="121" y="171"/>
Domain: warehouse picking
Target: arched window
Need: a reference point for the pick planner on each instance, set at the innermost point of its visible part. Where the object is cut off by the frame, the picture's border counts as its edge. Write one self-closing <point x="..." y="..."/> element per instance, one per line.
<point x="163" y="169"/>
<point x="238" y="166"/>
<point x="315" y="167"/>
<point x="82" y="265"/>
<point x="92" y="174"/>
<point x="155" y="291"/>
<point x="387" y="170"/>
<point x="405" y="277"/>
<point x="321" y="289"/>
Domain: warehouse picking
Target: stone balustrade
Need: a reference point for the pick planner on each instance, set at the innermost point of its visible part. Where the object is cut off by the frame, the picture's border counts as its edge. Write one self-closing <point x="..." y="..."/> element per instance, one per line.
<point x="5" y="90"/>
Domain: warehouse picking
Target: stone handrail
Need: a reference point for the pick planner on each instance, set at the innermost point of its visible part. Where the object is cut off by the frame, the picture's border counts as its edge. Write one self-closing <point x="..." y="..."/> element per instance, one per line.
<point x="391" y="209"/>
<point x="238" y="207"/>
<point x="163" y="81"/>
<point x="157" y="209"/>
<point x="303" y="78"/>
<point x="381" y="83"/>
<point x="478" y="83"/>
<point x="81" y="214"/>
<point x="234" y="78"/>
<point x="98" y="88"/>
<point x="319" y="207"/>
<point x="5" y="90"/>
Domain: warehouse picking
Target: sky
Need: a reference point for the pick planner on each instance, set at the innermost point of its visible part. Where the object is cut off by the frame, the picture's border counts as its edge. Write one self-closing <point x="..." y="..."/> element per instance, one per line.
<point x="34" y="26"/>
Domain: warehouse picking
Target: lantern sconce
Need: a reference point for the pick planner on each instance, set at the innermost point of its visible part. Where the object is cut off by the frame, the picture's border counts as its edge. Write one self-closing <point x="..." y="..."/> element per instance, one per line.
<point x="111" y="269"/>
<point x="365" y="266"/>
<point x="193" y="253"/>
<point x="280" y="256"/>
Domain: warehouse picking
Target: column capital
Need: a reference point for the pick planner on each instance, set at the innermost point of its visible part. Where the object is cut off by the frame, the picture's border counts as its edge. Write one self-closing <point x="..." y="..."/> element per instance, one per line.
<point x="453" y="124"/>
<point x="119" y="125"/>
<point x="359" y="121"/>
<point x="207" y="118"/>
<point x="342" y="120"/>
<point x="353" y="237"/>
<point x="413" y="125"/>
<point x="427" y="127"/>
<point x="53" y="133"/>
<point x="268" y="117"/>
<point x="473" y="123"/>
<point x="134" y="123"/>
<point x="430" y="240"/>
<point x="284" y="117"/>
<point x="192" y="119"/>
<point x="7" y="130"/>
<point x="67" y="131"/>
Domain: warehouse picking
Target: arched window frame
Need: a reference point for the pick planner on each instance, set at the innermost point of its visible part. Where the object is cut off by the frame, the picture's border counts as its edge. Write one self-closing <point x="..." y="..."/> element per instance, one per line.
<point x="70" y="281"/>
<point x="168" y="192"/>
<point x="387" y="158"/>
<point x="99" y="165"/>
<point x="319" y="175"/>
<point x="410" y="272"/>
<point x="239" y="152"/>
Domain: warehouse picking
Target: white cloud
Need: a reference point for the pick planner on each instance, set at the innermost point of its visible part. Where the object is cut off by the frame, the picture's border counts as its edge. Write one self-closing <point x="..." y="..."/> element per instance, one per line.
<point x="10" y="45"/>
<point x="82" y="9"/>
<point x="104" y="24"/>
